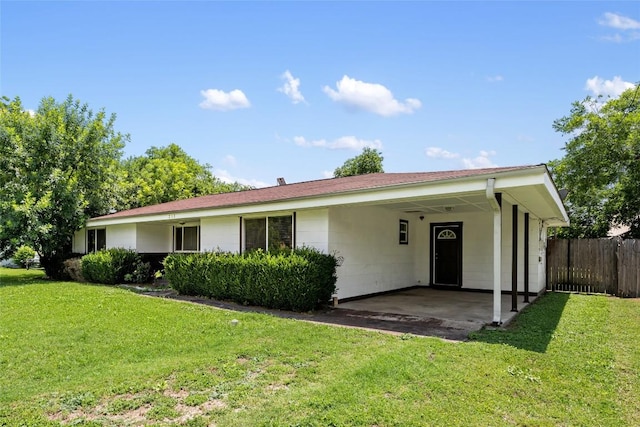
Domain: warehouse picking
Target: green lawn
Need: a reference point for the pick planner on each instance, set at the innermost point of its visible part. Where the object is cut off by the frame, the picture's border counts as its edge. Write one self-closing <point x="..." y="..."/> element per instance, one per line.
<point x="77" y="354"/>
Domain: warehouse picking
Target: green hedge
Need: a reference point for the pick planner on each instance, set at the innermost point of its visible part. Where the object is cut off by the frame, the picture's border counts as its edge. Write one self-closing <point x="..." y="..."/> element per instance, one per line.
<point x="111" y="266"/>
<point x="53" y="264"/>
<point x="299" y="280"/>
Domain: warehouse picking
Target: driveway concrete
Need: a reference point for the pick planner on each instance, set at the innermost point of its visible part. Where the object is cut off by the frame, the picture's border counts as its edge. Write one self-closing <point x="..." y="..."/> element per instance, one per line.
<point x="456" y="309"/>
<point x="447" y="314"/>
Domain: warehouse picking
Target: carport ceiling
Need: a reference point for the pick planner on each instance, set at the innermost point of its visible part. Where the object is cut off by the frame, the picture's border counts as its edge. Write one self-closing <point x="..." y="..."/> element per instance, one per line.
<point x="464" y="203"/>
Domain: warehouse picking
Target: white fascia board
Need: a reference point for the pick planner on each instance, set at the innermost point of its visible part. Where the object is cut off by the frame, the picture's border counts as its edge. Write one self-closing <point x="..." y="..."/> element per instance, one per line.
<point x="535" y="177"/>
<point x="369" y="196"/>
<point x="555" y="212"/>
<point x="553" y="191"/>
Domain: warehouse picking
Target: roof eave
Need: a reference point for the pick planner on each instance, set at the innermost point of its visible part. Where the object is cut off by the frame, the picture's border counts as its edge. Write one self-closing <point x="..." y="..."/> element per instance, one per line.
<point x="239" y="208"/>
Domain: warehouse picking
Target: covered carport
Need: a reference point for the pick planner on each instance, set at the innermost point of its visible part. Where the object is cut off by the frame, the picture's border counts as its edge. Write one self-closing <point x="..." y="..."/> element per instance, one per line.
<point x="485" y="234"/>
<point x="462" y="310"/>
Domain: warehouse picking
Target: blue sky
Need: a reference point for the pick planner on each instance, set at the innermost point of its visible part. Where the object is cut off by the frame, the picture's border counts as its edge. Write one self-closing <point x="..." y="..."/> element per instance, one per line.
<point x="293" y="89"/>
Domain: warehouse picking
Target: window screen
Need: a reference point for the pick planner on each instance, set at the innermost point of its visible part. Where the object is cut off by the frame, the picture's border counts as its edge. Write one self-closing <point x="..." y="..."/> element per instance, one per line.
<point x="187" y="239"/>
<point x="101" y="239"/>
<point x="91" y="240"/>
<point x="280" y="230"/>
<point x="255" y="234"/>
<point x="190" y="239"/>
<point x="270" y="233"/>
<point x="96" y="240"/>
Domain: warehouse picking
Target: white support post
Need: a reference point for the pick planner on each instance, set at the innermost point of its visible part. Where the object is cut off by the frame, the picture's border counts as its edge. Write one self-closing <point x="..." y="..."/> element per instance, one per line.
<point x="497" y="267"/>
<point x="497" y="253"/>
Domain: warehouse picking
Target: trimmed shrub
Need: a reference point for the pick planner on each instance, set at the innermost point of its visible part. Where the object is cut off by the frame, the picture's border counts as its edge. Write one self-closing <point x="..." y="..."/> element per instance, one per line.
<point x="141" y="273"/>
<point x="299" y="280"/>
<point x="23" y="255"/>
<point x="73" y="268"/>
<point x="326" y="270"/>
<point x="97" y="267"/>
<point x="109" y="266"/>
<point x="54" y="265"/>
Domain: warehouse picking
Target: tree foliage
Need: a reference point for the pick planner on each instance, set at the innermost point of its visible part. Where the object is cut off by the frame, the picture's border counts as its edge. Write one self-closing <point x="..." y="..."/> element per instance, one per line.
<point x="23" y="255"/>
<point x="369" y="161"/>
<point x="601" y="166"/>
<point x="58" y="166"/>
<point x="165" y="174"/>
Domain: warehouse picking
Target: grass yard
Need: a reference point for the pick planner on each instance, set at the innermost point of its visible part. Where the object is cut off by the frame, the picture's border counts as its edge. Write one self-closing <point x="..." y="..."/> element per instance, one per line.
<point x="78" y="354"/>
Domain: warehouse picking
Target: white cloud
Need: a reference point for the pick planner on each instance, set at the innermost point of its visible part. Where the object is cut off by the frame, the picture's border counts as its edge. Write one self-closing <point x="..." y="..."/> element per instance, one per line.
<point x="481" y="161"/>
<point x="342" y="143"/>
<point x="439" y="153"/>
<point x="495" y="79"/>
<point x="371" y="97"/>
<point x="291" y="87"/>
<point x="629" y="28"/>
<point x="619" y="38"/>
<point x="32" y="113"/>
<point x="230" y="160"/>
<point x="225" y="176"/>
<point x="607" y="88"/>
<point x="619" y="22"/>
<point x="219" y="100"/>
<point x="327" y="174"/>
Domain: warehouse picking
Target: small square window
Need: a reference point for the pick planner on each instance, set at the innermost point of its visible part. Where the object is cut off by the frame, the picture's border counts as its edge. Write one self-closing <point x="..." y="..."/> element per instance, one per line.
<point x="186" y="239"/>
<point x="404" y="232"/>
<point x="96" y="239"/>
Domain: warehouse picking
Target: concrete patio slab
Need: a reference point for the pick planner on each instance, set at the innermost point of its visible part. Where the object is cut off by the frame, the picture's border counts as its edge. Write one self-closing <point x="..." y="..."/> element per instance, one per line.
<point x="454" y="308"/>
<point x="447" y="314"/>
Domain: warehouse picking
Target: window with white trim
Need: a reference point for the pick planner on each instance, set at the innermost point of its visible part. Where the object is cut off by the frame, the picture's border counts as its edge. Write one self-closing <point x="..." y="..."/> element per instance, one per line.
<point x="96" y="239"/>
<point x="404" y="232"/>
<point x="270" y="233"/>
<point x="186" y="239"/>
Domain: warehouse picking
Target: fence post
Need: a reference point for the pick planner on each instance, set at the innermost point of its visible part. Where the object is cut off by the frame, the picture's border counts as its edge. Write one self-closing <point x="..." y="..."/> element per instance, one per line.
<point x="568" y="262"/>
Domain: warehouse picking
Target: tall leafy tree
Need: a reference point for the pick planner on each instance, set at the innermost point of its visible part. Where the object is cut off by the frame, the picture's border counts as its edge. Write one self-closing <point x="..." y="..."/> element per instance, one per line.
<point x="58" y="166"/>
<point x="601" y="166"/>
<point x="369" y="161"/>
<point x="165" y="174"/>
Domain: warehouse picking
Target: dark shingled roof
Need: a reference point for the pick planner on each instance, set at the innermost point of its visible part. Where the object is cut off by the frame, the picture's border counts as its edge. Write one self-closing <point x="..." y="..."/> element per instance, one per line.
<point x="308" y="189"/>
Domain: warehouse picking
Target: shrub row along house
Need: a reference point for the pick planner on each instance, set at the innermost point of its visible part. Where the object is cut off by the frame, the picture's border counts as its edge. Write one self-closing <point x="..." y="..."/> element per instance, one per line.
<point x="482" y="229"/>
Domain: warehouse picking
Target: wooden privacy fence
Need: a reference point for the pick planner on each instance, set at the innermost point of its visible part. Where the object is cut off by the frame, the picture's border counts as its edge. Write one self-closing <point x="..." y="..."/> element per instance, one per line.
<point x="608" y="266"/>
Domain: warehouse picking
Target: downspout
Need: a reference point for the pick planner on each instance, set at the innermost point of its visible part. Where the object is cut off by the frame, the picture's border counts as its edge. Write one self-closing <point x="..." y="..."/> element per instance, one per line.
<point x="526" y="257"/>
<point x="497" y="254"/>
<point x="514" y="259"/>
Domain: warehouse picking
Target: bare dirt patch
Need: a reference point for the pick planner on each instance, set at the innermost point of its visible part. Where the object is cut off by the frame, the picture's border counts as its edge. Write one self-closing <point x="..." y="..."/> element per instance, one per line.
<point x="133" y="409"/>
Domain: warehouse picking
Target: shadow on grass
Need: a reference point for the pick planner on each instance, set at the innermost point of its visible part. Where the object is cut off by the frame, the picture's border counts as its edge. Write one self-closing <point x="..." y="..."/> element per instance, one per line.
<point x="19" y="276"/>
<point x="533" y="328"/>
